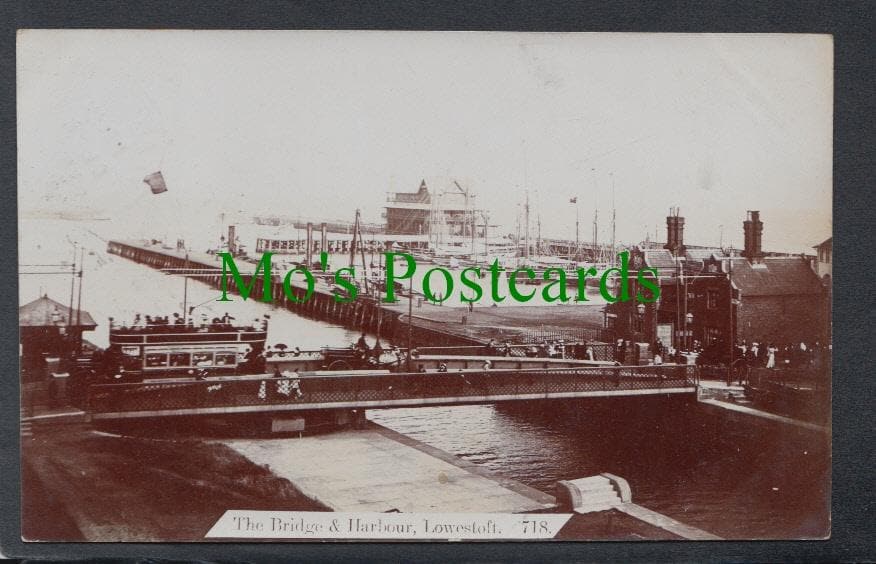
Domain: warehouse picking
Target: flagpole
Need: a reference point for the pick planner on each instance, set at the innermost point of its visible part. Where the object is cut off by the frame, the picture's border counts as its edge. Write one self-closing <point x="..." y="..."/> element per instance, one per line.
<point x="186" y="289"/>
<point x="577" y="221"/>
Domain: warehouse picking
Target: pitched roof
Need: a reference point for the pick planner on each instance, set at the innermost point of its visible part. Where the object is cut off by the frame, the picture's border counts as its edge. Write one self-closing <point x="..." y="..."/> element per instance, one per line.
<point x="38" y="313"/>
<point x="703" y="254"/>
<point x="662" y="260"/>
<point x="775" y="276"/>
<point x="696" y="259"/>
<point x="828" y="242"/>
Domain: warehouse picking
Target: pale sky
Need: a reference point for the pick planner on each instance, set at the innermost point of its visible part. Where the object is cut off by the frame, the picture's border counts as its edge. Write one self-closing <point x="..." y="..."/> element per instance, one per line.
<point x="316" y="124"/>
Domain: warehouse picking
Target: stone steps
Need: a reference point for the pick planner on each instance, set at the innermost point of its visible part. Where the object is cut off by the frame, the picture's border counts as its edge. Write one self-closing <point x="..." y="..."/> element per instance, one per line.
<point x="588" y="495"/>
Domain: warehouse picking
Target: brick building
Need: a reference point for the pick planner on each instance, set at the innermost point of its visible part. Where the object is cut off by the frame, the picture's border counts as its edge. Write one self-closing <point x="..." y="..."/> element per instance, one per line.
<point x="709" y="294"/>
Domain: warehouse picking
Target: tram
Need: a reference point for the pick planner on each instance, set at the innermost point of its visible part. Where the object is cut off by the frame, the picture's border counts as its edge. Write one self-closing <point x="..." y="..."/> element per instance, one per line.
<point x="154" y="351"/>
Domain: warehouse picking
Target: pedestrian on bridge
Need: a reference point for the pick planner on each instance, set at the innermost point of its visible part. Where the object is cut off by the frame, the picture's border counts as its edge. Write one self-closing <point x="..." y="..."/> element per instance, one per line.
<point x="377" y="351"/>
<point x="295" y="384"/>
<point x="588" y="353"/>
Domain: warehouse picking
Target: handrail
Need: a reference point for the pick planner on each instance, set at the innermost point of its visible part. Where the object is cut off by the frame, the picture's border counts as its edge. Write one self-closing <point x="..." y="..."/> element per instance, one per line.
<point x="385" y="387"/>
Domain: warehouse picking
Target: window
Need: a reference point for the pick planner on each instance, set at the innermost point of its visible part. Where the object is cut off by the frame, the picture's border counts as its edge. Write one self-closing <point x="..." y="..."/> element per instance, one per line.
<point x="180" y="359"/>
<point x="202" y="359"/>
<point x="156" y="360"/>
<point x="712" y="299"/>
<point x="713" y="334"/>
<point x="226" y="359"/>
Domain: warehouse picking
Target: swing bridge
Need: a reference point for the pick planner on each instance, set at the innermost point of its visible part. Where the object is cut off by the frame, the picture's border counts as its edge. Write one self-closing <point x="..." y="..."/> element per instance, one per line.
<point x="438" y="381"/>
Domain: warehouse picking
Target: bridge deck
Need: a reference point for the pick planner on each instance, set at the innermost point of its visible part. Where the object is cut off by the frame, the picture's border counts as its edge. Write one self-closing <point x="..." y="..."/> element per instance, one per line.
<point x="262" y="393"/>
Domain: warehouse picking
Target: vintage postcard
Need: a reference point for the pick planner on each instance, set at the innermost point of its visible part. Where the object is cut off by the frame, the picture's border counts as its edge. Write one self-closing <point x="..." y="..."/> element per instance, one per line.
<point x="424" y="286"/>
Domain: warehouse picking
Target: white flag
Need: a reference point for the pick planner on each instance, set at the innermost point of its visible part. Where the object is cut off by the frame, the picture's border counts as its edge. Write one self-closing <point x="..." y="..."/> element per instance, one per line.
<point x="156" y="182"/>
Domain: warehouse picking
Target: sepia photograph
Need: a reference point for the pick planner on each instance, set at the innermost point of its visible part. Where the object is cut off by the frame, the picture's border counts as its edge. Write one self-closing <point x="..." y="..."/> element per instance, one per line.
<point x="290" y="286"/>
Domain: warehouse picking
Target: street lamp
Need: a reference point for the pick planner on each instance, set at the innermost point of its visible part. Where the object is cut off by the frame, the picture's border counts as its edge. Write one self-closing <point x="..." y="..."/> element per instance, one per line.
<point x="641" y="311"/>
<point x="688" y="320"/>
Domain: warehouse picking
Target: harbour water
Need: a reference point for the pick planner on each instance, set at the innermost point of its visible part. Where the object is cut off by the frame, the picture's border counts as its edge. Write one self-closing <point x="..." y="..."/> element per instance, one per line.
<point x="737" y="478"/>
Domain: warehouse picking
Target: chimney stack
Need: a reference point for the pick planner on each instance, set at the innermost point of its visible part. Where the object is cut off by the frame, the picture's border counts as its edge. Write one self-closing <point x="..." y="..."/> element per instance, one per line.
<point x="753" y="227"/>
<point x="674" y="232"/>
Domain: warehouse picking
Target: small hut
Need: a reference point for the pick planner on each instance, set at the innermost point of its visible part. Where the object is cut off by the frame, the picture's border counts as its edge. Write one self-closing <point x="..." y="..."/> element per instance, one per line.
<point x="49" y="329"/>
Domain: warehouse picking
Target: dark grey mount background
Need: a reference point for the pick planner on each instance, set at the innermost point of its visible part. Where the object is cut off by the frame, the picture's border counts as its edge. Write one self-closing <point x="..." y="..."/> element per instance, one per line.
<point x="851" y="23"/>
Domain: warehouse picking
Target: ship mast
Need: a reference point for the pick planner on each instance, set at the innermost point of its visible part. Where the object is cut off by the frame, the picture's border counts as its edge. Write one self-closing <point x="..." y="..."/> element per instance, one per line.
<point x="595" y="214"/>
<point x="538" y="236"/>
<point x="526" y="232"/>
<point x="613" y="223"/>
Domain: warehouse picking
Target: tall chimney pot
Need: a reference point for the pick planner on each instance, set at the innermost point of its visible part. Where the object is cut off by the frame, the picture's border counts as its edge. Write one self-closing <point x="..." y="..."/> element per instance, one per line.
<point x="753" y="229"/>
<point x="674" y="232"/>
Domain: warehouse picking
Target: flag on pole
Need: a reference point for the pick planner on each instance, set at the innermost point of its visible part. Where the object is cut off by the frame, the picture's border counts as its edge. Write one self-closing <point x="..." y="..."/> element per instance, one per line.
<point x="573" y="200"/>
<point x="156" y="182"/>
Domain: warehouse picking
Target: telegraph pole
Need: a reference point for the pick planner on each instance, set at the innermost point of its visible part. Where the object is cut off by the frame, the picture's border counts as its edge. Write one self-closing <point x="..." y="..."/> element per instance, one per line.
<point x="730" y="336"/>
<point x="410" y="318"/>
<point x="72" y="287"/>
<point x="79" y="302"/>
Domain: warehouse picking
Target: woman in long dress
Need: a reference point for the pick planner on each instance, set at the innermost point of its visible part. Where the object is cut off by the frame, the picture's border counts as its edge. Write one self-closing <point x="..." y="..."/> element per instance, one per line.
<point x="771" y="356"/>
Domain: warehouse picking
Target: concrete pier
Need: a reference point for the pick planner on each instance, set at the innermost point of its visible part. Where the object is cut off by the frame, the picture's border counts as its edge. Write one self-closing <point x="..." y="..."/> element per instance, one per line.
<point x="379" y="470"/>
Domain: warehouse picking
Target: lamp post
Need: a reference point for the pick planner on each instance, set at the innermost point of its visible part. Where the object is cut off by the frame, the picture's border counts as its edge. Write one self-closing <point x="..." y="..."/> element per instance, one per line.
<point x="410" y="318"/>
<point x="652" y="326"/>
<point x="688" y="321"/>
<point x="641" y="311"/>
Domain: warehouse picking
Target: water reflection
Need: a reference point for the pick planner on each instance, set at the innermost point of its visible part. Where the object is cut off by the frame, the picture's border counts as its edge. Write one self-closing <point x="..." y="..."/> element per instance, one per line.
<point x="735" y="478"/>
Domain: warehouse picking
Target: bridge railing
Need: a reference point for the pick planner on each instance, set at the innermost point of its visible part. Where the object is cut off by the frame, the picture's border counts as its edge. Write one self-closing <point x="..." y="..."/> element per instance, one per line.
<point x="371" y="389"/>
<point x="571" y="350"/>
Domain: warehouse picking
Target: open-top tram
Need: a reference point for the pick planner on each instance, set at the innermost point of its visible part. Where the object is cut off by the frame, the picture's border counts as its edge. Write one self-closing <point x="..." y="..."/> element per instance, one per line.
<point x="173" y="350"/>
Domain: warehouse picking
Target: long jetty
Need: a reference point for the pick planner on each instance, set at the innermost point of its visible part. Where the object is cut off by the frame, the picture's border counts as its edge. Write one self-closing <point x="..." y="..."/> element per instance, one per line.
<point x="365" y="312"/>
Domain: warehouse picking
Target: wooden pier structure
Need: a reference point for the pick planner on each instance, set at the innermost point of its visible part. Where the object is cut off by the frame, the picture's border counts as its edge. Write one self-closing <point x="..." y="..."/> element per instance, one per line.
<point x="429" y="324"/>
<point x="365" y="312"/>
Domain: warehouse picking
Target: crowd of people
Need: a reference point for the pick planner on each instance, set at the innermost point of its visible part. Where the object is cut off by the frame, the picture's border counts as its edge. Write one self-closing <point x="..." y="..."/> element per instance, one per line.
<point x="546" y="349"/>
<point x="169" y="324"/>
<point x="786" y="355"/>
<point x="378" y="354"/>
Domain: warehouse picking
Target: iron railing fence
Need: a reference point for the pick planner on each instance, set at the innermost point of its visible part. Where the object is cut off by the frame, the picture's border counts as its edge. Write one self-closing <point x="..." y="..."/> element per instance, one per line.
<point x="570" y="350"/>
<point x="323" y="391"/>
